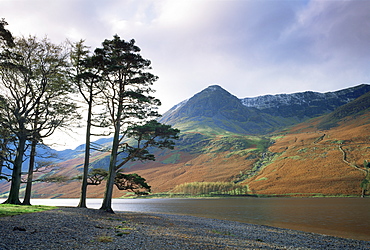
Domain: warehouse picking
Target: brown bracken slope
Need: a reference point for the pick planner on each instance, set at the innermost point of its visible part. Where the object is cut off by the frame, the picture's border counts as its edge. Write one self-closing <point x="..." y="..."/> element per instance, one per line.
<point x="302" y="161"/>
<point x="308" y="161"/>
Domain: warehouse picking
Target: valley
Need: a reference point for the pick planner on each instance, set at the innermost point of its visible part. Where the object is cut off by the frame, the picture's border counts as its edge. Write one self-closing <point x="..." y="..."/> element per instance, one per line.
<point x="280" y="152"/>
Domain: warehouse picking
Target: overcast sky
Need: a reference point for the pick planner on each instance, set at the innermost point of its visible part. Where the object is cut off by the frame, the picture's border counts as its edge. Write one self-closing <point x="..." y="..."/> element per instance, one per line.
<point x="248" y="47"/>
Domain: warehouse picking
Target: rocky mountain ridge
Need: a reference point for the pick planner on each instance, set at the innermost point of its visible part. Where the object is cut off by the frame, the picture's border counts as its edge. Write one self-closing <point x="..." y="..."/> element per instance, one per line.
<point x="215" y="107"/>
<point x="297" y="104"/>
<point x="269" y="101"/>
<point x="301" y="98"/>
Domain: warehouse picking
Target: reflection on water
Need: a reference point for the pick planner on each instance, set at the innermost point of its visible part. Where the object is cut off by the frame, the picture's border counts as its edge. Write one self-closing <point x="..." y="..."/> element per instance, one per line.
<point x="344" y="217"/>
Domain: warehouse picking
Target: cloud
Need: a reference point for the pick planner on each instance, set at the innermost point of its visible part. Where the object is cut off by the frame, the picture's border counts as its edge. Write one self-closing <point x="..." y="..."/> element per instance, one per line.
<point x="332" y="38"/>
<point x="248" y="47"/>
<point x="254" y="47"/>
<point x="335" y="28"/>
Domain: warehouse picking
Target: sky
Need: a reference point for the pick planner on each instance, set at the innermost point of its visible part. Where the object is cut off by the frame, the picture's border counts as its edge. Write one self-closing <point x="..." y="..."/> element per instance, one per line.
<point x="248" y="47"/>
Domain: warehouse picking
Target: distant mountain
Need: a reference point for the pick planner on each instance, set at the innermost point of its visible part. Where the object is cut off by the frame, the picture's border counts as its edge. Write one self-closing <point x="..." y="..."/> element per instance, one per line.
<point x="47" y="154"/>
<point x="215" y="109"/>
<point x="71" y="153"/>
<point x="306" y="104"/>
<point x="44" y="154"/>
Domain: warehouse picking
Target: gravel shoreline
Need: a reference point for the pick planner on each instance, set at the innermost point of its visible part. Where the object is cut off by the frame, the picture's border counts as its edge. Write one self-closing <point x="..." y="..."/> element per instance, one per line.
<point x="79" y="228"/>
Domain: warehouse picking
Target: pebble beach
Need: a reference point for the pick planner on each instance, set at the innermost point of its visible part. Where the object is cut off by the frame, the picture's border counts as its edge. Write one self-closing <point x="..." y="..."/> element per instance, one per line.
<point x="81" y="228"/>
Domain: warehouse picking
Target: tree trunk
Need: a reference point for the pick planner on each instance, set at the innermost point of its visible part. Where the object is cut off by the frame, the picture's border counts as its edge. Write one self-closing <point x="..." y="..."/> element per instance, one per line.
<point x="87" y="160"/>
<point x="2" y="152"/>
<point x="27" y="195"/>
<point x="365" y="186"/>
<point x="1" y="166"/>
<point x="13" y="197"/>
<point x="107" y="202"/>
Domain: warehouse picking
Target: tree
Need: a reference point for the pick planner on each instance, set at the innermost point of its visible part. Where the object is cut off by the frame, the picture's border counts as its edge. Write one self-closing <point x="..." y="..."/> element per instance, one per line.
<point x="96" y="176"/>
<point x="126" y="89"/>
<point x="150" y="135"/>
<point x="131" y="182"/>
<point x="36" y="166"/>
<point x="36" y="88"/>
<point x="6" y="35"/>
<point x="6" y="139"/>
<point x="87" y="82"/>
<point x="142" y="137"/>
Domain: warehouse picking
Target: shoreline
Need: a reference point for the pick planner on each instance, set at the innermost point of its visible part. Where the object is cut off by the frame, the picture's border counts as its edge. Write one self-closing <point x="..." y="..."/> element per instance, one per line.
<point x="352" y="227"/>
<point x="80" y="228"/>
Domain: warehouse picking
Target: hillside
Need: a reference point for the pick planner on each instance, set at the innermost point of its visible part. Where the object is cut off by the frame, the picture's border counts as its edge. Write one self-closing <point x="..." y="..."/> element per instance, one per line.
<point x="308" y="159"/>
<point x="313" y="163"/>
<point x="314" y="157"/>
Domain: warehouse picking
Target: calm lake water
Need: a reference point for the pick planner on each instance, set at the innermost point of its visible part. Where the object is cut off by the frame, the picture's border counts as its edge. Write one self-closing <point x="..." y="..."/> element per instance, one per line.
<point x="344" y="217"/>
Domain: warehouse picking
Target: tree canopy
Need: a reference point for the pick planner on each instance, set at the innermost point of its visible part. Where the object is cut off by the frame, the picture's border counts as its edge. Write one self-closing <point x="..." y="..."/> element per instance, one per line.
<point x="5" y="34"/>
<point x="128" y="182"/>
<point x="35" y="97"/>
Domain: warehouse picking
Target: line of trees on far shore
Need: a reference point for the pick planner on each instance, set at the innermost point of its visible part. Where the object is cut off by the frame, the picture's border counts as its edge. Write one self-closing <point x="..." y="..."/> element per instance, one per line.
<point x="200" y="188"/>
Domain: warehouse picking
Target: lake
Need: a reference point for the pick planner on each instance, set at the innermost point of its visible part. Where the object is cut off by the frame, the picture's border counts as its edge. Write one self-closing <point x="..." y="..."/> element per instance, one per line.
<point x="344" y="217"/>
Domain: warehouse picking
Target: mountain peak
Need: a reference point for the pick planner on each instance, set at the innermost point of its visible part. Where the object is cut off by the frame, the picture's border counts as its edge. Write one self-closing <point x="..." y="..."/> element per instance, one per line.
<point x="214" y="88"/>
<point x="215" y="109"/>
<point x="206" y="102"/>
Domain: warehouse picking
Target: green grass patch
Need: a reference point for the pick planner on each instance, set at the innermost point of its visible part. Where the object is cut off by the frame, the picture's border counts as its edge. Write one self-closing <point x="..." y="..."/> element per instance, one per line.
<point x="174" y="158"/>
<point x="294" y="157"/>
<point x="10" y="210"/>
<point x="302" y="150"/>
<point x="277" y="137"/>
<point x="262" y="179"/>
